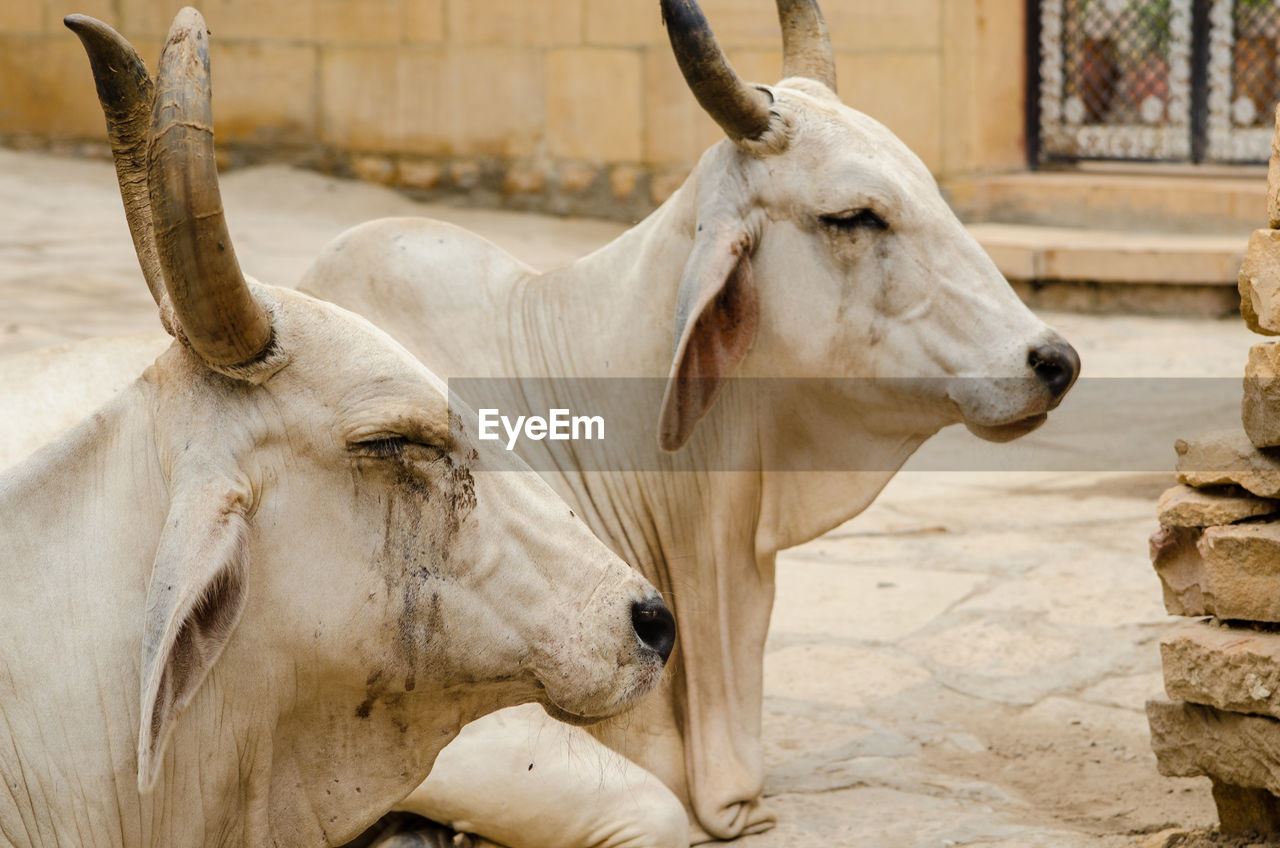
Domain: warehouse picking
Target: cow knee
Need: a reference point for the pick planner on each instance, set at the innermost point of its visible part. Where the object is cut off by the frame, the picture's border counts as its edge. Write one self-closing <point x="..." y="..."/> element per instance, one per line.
<point x="654" y="818"/>
<point x="670" y="826"/>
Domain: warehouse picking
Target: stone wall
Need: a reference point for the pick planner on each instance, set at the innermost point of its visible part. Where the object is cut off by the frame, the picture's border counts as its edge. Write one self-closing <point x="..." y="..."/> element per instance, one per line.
<point x="1217" y="552"/>
<point x="567" y="105"/>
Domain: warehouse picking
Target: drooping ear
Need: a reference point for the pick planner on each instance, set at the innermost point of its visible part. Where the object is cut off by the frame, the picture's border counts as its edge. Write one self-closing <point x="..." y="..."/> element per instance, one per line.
<point x="194" y="601"/>
<point x="716" y="318"/>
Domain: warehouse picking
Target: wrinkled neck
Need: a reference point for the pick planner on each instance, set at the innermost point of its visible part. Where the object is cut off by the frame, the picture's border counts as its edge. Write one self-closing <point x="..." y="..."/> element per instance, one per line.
<point x="79" y="520"/>
<point x="268" y="752"/>
<point x="330" y="774"/>
<point x="620" y="302"/>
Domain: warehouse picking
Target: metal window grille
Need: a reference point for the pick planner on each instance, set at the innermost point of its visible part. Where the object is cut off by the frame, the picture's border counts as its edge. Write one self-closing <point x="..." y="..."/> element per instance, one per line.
<point x="1243" y="83"/>
<point x="1163" y="80"/>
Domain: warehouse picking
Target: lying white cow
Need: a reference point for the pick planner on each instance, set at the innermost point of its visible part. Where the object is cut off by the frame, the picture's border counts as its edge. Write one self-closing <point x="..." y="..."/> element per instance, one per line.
<point x="811" y="243"/>
<point x="248" y="601"/>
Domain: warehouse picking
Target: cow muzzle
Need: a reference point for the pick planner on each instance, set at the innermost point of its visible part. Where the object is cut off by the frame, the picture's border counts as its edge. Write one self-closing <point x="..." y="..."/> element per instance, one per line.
<point x="1002" y="409"/>
<point x="638" y="669"/>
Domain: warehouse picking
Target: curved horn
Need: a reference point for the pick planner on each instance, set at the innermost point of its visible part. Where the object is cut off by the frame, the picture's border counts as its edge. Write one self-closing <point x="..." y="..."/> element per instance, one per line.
<point x="125" y="92"/>
<point x="219" y="316"/>
<point x="740" y="110"/>
<point x="806" y="46"/>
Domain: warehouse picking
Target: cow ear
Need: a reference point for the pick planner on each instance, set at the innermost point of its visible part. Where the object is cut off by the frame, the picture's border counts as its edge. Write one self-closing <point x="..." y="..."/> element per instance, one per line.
<point x="194" y="601"/>
<point x="716" y="318"/>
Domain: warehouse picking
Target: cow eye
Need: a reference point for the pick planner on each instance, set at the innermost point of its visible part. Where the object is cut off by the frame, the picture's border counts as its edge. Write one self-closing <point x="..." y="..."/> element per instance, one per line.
<point x="858" y="219"/>
<point x="399" y="448"/>
<point x="382" y="447"/>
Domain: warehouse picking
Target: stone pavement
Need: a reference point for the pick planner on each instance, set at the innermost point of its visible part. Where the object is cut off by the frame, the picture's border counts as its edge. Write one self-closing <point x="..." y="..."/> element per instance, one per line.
<point x="963" y="664"/>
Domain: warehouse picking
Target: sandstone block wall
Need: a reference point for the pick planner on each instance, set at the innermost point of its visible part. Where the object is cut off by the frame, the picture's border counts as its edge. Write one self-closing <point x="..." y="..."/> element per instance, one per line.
<point x="1217" y="553"/>
<point x="570" y="105"/>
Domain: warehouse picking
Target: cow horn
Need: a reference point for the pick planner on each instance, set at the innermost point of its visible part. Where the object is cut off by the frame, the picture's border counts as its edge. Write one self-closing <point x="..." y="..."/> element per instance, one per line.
<point x="221" y="320"/>
<point x="806" y="45"/>
<point x="741" y="110"/>
<point x="125" y="92"/>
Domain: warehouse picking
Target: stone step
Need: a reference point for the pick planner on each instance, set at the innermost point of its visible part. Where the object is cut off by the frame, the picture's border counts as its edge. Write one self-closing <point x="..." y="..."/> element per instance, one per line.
<point x="1194" y="201"/>
<point x="1026" y="252"/>
<point x="1096" y="270"/>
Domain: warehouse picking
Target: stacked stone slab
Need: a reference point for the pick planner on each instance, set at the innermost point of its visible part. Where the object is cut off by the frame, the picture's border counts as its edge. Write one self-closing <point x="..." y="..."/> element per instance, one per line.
<point x="1218" y="556"/>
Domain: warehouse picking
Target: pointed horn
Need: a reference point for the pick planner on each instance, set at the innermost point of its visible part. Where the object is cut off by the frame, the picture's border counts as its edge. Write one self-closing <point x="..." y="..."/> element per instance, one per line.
<point x="219" y="316"/>
<point x="806" y="45"/>
<point x="125" y="92"/>
<point x="741" y="110"/>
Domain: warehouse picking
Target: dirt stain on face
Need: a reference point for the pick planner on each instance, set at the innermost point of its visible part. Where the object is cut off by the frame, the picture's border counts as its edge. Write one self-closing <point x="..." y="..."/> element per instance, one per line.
<point x="427" y="502"/>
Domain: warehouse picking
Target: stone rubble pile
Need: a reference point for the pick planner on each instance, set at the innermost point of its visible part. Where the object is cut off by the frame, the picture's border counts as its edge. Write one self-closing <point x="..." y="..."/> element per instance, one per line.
<point x="1218" y="555"/>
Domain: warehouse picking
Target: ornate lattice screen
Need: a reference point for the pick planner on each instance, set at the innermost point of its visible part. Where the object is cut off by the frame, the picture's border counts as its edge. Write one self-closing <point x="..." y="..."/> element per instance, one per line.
<point x="1243" y="87"/>
<point x="1164" y="80"/>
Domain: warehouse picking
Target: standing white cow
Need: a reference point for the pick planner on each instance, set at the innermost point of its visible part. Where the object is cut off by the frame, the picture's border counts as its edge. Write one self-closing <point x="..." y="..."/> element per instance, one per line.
<point x="811" y="243"/>
<point x="249" y="600"/>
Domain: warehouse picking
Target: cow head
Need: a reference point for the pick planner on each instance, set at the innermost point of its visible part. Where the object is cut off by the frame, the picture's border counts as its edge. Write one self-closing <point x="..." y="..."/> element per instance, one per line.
<point x="823" y="245"/>
<point x="332" y="518"/>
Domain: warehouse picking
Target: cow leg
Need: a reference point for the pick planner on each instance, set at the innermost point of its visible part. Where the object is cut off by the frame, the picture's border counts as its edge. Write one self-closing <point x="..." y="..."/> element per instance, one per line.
<point x="522" y="780"/>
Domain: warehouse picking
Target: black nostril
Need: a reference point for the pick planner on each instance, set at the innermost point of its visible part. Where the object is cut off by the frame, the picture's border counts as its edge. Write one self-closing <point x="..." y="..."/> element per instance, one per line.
<point x="1056" y="365"/>
<point x="655" y="625"/>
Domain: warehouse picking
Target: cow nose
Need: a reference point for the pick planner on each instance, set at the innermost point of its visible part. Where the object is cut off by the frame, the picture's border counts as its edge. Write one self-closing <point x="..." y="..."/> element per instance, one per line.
<point x="1056" y="366"/>
<point x="655" y="625"/>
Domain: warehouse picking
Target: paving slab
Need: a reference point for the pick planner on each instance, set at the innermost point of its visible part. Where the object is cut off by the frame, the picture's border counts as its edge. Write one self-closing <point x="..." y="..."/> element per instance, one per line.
<point x="874" y="603"/>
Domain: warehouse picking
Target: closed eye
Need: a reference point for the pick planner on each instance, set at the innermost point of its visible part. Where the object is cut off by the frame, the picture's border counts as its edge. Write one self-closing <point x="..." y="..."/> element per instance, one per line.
<point x="858" y="219"/>
<point x="381" y="447"/>
<point x="401" y="449"/>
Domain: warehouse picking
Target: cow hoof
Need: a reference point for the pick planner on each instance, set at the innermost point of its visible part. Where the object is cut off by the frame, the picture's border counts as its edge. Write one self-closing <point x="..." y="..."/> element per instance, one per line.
<point x="429" y="836"/>
<point x="403" y="830"/>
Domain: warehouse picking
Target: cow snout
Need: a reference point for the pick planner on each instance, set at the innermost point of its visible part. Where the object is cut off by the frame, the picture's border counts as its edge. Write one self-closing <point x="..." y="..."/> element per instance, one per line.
<point x="1056" y="366"/>
<point x="654" y="625"/>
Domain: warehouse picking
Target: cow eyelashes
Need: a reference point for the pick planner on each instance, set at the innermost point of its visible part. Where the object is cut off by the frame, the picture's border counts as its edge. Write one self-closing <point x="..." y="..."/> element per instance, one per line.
<point x="383" y="447"/>
<point x="859" y="219"/>
<point x="398" y="447"/>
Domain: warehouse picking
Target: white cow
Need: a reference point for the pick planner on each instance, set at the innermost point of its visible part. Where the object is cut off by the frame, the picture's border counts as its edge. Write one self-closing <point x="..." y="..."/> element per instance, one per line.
<point x="810" y="243"/>
<point x="249" y="600"/>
